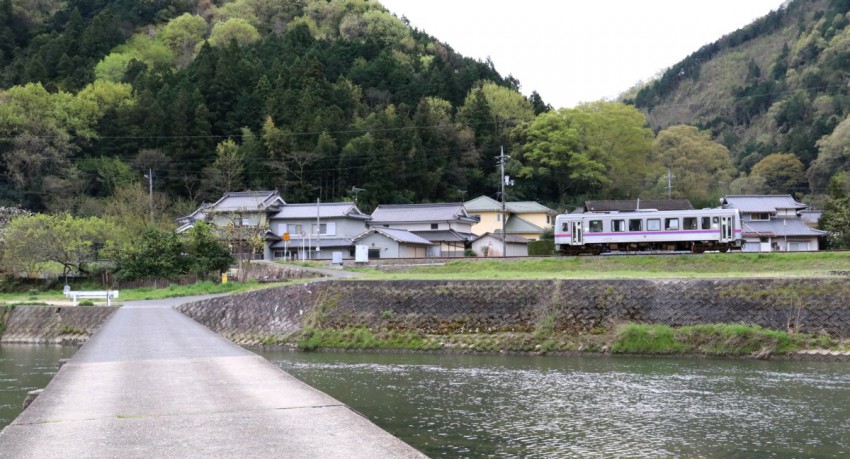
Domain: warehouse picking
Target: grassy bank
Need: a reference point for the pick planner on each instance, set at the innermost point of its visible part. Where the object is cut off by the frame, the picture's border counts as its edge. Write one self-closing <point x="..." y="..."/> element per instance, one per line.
<point x="144" y="293"/>
<point x="716" y="340"/>
<point x="713" y="265"/>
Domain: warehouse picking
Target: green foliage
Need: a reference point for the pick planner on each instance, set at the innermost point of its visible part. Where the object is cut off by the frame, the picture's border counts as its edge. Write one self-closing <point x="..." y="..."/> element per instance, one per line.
<point x="72" y="242"/>
<point x="711" y="339"/>
<point x="233" y="30"/>
<point x="836" y="216"/>
<point x="703" y="168"/>
<point x="206" y="251"/>
<point x="309" y="339"/>
<point x="156" y="254"/>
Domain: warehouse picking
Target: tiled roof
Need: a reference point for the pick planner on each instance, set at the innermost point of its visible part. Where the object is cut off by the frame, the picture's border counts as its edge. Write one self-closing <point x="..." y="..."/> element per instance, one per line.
<point x="779" y="227"/>
<point x="410" y="213"/>
<point x="518" y="225"/>
<point x="632" y="204"/>
<point x="325" y="210"/>
<point x="246" y="201"/>
<point x="445" y="235"/>
<point x="486" y="203"/>
<point x="761" y="203"/>
<point x="397" y="235"/>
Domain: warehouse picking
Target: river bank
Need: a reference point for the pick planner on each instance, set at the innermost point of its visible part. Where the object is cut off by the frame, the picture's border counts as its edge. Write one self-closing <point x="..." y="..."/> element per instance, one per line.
<point x="758" y="318"/>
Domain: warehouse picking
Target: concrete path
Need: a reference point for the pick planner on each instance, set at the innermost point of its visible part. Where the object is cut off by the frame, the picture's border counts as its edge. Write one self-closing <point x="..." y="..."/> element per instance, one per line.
<point x="154" y="383"/>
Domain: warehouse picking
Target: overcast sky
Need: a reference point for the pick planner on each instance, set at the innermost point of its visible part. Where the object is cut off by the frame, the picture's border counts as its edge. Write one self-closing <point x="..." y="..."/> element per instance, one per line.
<point x="573" y="51"/>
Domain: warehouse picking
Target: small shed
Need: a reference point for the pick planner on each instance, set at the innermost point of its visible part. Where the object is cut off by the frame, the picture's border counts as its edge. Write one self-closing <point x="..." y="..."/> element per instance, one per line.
<point x="490" y="245"/>
<point x="393" y="243"/>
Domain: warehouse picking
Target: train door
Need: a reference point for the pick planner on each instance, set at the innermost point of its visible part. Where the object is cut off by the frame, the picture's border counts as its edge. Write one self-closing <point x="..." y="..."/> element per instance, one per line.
<point x="727" y="229"/>
<point x="578" y="235"/>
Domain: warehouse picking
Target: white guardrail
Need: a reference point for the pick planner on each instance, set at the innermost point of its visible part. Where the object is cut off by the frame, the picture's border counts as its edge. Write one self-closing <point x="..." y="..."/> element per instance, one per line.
<point x="108" y="295"/>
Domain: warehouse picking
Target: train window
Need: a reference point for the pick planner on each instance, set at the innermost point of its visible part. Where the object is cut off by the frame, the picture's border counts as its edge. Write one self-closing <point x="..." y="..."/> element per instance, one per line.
<point x="689" y="223"/>
<point x="653" y="224"/>
<point x="565" y="227"/>
<point x="618" y="226"/>
<point x="671" y="224"/>
<point x="635" y="225"/>
<point x="595" y="226"/>
<point x="706" y="222"/>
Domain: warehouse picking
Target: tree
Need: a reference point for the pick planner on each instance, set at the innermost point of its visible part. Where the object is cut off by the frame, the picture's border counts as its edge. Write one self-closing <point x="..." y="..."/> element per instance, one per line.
<point x="836" y="215"/>
<point x="833" y="157"/>
<point x="781" y="173"/>
<point x="72" y="242"/>
<point x="227" y="172"/>
<point x="156" y="254"/>
<point x="238" y="30"/>
<point x="206" y="252"/>
<point x="703" y="168"/>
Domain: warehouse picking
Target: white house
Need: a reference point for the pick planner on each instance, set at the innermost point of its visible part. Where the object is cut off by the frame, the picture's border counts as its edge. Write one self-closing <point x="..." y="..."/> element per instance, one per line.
<point x="314" y="230"/>
<point x="393" y="243"/>
<point x="772" y="223"/>
<point x="491" y="245"/>
<point x="446" y="225"/>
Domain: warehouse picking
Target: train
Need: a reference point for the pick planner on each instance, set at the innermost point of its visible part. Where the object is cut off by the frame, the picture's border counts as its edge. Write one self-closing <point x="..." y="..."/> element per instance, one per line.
<point x="692" y="230"/>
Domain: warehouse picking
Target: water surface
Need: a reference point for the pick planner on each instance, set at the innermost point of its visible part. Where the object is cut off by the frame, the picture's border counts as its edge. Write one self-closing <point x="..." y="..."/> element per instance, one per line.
<point x="26" y="367"/>
<point x="521" y="406"/>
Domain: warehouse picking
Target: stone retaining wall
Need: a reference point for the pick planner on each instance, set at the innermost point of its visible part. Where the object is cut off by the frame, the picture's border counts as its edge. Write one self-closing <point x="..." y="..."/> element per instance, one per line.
<point x="810" y="305"/>
<point x="52" y="324"/>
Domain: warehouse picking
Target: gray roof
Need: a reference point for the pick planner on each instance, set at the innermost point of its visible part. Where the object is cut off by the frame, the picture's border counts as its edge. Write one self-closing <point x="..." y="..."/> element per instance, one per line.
<point x="397" y="235"/>
<point x="483" y="203"/>
<point x="445" y="236"/>
<point x="511" y="238"/>
<point x="761" y="203"/>
<point x="246" y="201"/>
<point x="632" y="204"/>
<point x="518" y="225"/>
<point x="413" y="213"/>
<point x="325" y="210"/>
<point x="779" y="227"/>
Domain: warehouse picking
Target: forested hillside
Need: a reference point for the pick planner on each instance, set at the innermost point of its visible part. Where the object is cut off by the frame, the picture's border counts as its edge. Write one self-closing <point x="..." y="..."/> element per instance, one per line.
<point x="310" y="97"/>
<point x="775" y="93"/>
<point x="102" y="98"/>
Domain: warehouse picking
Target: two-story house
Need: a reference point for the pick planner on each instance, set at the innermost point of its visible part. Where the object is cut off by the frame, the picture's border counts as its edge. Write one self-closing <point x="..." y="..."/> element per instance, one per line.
<point x="447" y="226"/>
<point x="772" y="223"/>
<point x="246" y="211"/>
<point x="314" y="230"/>
<point x="527" y="219"/>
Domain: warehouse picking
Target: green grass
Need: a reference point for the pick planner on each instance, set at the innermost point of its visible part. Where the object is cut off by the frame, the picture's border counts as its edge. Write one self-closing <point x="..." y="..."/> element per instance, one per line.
<point x="711" y="339"/>
<point x="718" y="265"/>
<point x="363" y="338"/>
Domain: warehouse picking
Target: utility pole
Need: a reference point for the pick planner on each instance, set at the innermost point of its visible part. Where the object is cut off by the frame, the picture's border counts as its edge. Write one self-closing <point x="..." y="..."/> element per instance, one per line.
<point x="149" y="176"/>
<point x="502" y="163"/>
<point x="670" y="178"/>
<point x="318" y="225"/>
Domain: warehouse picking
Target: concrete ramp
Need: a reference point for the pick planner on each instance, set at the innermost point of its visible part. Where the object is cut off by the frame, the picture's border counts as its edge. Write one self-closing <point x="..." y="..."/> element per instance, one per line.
<point x="154" y="383"/>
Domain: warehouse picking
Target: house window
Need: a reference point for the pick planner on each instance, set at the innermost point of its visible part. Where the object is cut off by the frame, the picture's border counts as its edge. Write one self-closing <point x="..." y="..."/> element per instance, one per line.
<point x="548" y="219"/>
<point x="595" y="226"/>
<point x="653" y="224"/>
<point x="671" y="224"/>
<point x="294" y="229"/>
<point x="618" y="226"/>
<point x="323" y="228"/>
<point x="435" y="225"/>
<point x="635" y="225"/>
<point x="761" y="216"/>
<point x="689" y="223"/>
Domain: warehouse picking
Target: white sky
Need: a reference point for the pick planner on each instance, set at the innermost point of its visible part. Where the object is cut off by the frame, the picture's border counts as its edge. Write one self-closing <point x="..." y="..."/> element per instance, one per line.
<point x="573" y="51"/>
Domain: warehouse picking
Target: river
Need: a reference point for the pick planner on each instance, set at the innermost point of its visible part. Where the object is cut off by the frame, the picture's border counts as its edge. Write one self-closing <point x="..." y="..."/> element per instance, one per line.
<point x="26" y="367"/>
<point x="521" y="406"/>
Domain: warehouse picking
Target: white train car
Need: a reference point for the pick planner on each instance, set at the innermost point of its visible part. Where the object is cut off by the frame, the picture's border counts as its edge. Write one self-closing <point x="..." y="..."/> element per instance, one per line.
<point x="695" y="230"/>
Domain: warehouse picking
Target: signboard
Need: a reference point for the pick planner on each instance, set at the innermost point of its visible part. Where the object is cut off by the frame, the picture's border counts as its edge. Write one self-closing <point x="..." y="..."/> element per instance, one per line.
<point x="285" y="236"/>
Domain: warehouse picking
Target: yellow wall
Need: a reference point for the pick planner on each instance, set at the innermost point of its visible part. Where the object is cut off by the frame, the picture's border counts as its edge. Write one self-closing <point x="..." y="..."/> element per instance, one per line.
<point x="488" y="223"/>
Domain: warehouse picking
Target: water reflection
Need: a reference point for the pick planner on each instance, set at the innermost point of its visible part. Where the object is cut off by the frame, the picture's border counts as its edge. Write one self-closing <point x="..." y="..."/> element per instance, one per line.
<point x="449" y="406"/>
<point x="25" y="367"/>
